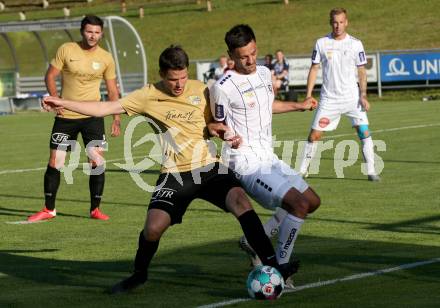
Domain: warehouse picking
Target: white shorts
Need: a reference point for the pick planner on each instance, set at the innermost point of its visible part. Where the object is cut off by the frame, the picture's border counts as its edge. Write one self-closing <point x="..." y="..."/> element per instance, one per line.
<point x="329" y="113"/>
<point x="270" y="182"/>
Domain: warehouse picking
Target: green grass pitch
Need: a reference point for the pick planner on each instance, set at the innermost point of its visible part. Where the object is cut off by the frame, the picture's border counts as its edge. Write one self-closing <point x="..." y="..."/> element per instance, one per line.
<point x="361" y="227"/>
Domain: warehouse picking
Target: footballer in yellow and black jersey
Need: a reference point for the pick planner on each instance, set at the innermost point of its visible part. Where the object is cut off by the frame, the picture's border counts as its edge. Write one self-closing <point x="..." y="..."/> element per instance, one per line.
<point x="180" y="122"/>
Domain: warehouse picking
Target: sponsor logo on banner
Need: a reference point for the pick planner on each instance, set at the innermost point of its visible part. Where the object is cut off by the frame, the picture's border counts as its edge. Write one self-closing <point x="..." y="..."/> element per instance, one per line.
<point x="411" y="66"/>
<point x="396" y="67"/>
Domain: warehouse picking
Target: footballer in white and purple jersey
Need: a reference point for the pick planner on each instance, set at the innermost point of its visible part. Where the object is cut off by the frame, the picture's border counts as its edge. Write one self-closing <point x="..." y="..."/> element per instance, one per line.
<point x="243" y="99"/>
<point x="343" y="91"/>
<point x="339" y="59"/>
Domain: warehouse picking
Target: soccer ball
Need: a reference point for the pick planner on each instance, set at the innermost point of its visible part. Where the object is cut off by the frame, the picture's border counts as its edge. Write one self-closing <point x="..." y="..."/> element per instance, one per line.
<point x="265" y="282"/>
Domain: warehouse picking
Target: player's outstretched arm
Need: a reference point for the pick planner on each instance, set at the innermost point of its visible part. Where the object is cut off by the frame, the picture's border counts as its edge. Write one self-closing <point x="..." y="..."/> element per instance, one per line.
<point x="94" y="109"/>
<point x="280" y="107"/>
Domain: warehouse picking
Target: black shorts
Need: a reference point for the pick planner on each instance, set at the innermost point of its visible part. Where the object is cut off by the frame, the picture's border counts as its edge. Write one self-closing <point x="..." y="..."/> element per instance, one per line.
<point x="175" y="191"/>
<point x="68" y="129"/>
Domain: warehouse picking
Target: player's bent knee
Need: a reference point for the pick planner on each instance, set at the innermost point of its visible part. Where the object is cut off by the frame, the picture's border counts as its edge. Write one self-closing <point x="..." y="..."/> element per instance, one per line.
<point x="296" y="204"/>
<point x="314" y="204"/>
<point x="299" y="209"/>
<point x="57" y="159"/>
<point x="153" y="232"/>
<point x="363" y="131"/>
<point x="237" y="202"/>
<point x="156" y="224"/>
<point x="313" y="199"/>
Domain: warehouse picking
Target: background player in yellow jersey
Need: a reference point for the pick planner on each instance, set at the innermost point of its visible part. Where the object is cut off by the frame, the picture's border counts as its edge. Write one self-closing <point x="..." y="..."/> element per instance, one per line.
<point x="179" y="109"/>
<point x="82" y="66"/>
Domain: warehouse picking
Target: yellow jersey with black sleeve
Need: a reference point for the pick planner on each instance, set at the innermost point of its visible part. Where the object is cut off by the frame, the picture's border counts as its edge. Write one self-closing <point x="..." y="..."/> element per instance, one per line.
<point x="82" y="72"/>
<point x="179" y="122"/>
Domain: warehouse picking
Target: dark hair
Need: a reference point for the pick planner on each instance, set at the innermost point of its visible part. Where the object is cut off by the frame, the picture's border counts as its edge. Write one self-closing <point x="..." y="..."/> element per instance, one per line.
<point x="173" y="58"/>
<point x="91" y="20"/>
<point x="239" y="36"/>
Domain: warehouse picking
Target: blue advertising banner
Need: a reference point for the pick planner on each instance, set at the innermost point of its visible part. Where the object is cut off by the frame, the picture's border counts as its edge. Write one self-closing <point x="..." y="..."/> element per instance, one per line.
<point x="407" y="67"/>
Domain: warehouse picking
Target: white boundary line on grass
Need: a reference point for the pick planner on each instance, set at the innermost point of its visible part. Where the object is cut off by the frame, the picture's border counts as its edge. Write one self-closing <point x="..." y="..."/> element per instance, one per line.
<point x="43" y="168"/>
<point x="326" y="137"/>
<point x="332" y="281"/>
<point x="385" y="130"/>
<point x="24" y="222"/>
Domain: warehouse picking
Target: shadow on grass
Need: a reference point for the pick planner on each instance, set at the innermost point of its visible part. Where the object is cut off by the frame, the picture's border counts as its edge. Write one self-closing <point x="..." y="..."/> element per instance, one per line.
<point x="193" y="275"/>
<point x="4" y="211"/>
<point x="424" y="225"/>
<point x="147" y="199"/>
<point x="14" y="212"/>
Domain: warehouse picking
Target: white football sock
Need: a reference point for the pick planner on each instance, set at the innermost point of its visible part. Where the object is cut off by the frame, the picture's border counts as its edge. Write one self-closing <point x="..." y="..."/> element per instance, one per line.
<point x="289" y="230"/>
<point x="309" y="153"/>
<point x="368" y="153"/>
<point x="272" y="226"/>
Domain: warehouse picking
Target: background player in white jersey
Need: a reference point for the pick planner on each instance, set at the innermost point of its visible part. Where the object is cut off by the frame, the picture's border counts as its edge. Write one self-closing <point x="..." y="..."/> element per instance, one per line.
<point x="340" y="54"/>
<point x="244" y="100"/>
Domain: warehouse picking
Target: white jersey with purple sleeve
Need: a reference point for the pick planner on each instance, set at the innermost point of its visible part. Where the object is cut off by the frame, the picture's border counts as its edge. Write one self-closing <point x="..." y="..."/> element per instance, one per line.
<point x="244" y="103"/>
<point x="339" y="60"/>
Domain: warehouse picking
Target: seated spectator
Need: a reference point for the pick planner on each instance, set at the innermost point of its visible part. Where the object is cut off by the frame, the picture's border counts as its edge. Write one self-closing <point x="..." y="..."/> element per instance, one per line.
<point x="280" y="72"/>
<point x="230" y="65"/>
<point x="222" y="64"/>
<point x="268" y="61"/>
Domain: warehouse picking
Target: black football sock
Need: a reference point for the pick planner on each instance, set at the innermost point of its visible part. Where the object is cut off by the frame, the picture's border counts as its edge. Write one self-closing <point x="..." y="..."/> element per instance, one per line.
<point x="96" y="186"/>
<point x="51" y="184"/>
<point x="254" y="232"/>
<point x="145" y="252"/>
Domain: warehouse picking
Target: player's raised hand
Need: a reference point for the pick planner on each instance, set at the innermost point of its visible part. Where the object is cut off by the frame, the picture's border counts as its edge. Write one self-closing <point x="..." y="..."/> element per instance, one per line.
<point x="51" y="103"/>
<point x="59" y="111"/>
<point x="222" y="131"/>
<point x="217" y="129"/>
<point x="234" y="141"/>
<point x="310" y="103"/>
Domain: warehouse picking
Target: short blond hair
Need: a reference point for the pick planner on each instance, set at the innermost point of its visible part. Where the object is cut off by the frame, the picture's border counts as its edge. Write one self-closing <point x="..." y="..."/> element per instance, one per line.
<point x="337" y="11"/>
